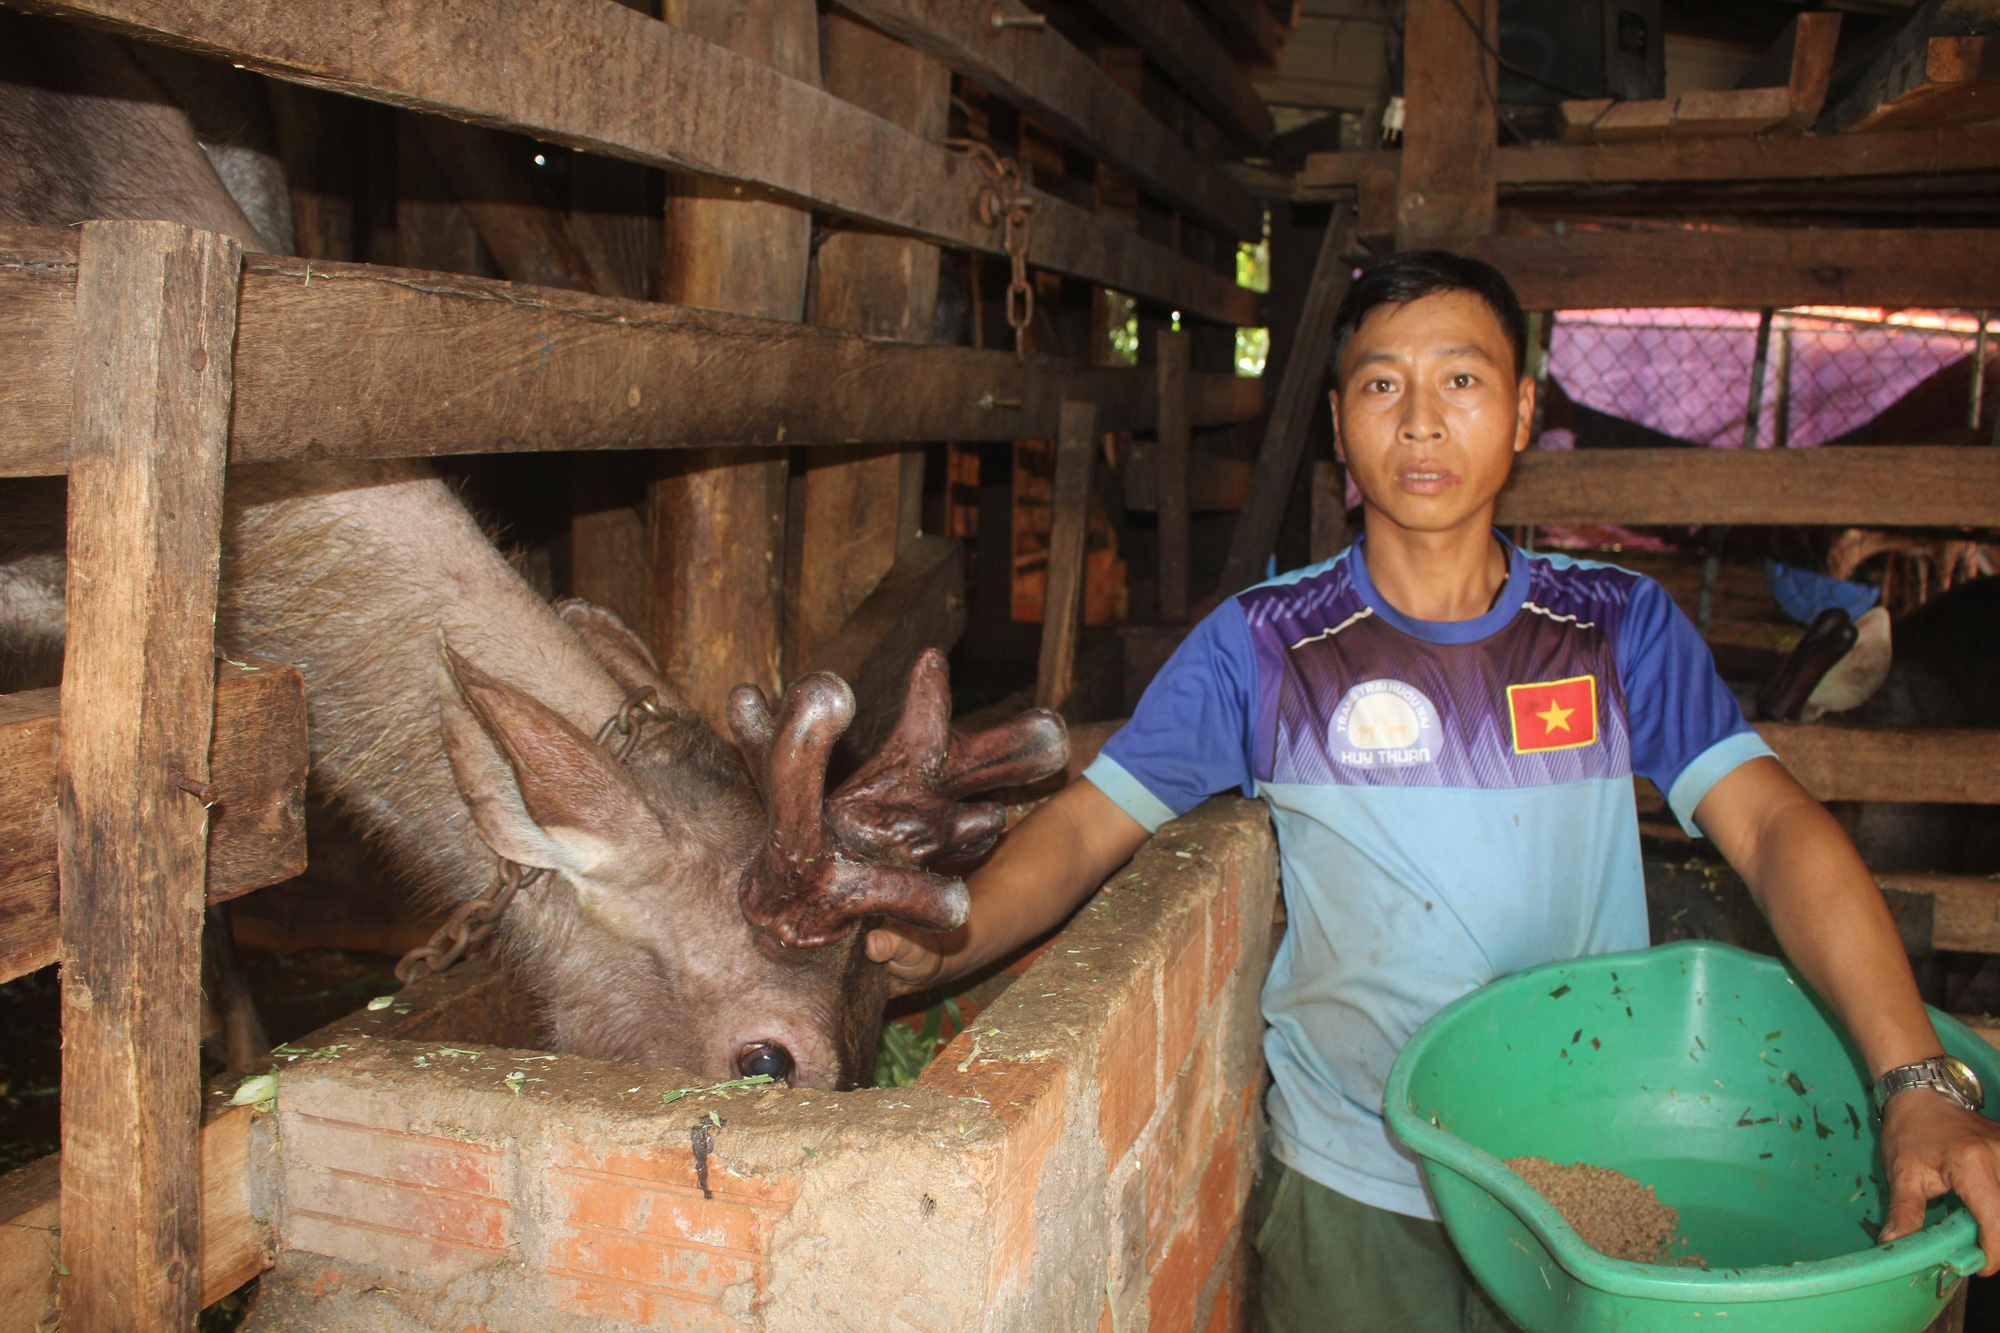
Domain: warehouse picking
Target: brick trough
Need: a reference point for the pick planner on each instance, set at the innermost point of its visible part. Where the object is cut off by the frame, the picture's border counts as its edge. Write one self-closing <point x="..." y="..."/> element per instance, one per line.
<point x="1077" y="1159"/>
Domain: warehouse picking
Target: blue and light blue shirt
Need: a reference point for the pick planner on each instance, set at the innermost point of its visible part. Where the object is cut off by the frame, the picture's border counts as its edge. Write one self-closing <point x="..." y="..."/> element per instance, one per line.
<point x="1453" y="803"/>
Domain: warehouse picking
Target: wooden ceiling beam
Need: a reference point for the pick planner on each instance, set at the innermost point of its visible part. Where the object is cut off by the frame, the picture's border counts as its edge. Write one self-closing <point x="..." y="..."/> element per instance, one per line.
<point x="1749" y="268"/>
<point x="354" y="361"/>
<point x="1932" y="72"/>
<point x="1182" y="44"/>
<point x="606" y="79"/>
<point x="1889" y="153"/>
<point x="1039" y="72"/>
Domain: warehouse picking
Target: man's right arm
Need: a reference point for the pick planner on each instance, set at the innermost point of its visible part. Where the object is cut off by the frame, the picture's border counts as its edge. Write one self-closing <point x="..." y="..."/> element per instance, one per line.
<point x="1036" y="877"/>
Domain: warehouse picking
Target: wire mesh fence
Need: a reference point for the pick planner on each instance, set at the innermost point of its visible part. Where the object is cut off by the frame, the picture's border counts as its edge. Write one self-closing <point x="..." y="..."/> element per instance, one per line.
<point x="1796" y="378"/>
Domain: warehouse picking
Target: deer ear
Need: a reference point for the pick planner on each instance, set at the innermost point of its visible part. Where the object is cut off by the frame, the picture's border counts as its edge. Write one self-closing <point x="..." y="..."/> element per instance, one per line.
<point x="540" y="791"/>
<point x="618" y="650"/>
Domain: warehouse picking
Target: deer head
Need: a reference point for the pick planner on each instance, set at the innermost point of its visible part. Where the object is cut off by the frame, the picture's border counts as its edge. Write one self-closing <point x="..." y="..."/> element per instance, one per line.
<point x="705" y="905"/>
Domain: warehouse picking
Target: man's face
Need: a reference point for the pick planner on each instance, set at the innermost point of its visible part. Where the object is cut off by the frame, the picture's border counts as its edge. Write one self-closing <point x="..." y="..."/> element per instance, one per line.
<point x="1428" y="412"/>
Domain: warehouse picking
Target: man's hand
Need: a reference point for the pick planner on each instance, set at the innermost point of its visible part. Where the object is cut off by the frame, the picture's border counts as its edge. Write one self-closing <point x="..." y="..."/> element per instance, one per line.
<point x="1931" y="1145"/>
<point x="915" y="958"/>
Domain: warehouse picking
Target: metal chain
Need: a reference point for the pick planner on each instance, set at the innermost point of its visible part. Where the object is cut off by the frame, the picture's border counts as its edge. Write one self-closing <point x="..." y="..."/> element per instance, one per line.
<point x="1006" y="203"/>
<point x="470" y="923"/>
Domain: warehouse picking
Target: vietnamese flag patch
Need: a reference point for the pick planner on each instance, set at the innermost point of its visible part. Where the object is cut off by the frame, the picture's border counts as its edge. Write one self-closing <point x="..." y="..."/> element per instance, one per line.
<point x="1554" y="714"/>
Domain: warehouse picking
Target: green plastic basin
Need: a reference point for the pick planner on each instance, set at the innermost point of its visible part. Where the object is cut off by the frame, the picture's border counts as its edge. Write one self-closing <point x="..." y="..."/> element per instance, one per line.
<point x="1712" y="1075"/>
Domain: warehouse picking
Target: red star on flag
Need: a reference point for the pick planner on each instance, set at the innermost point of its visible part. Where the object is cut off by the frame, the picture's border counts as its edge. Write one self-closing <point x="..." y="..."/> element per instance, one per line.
<point x="1553" y="714"/>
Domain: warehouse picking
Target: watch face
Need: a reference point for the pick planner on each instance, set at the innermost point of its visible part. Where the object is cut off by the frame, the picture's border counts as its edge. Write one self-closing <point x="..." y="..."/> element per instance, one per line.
<point x="1962" y="1080"/>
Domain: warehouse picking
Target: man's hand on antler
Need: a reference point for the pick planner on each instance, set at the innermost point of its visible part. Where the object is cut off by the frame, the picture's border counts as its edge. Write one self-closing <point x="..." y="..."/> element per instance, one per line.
<point x="862" y="852"/>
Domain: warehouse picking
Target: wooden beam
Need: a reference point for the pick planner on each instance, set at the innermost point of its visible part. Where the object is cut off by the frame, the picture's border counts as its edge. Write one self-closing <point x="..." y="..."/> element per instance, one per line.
<point x="1069" y="519"/>
<point x="1837" y="763"/>
<point x="1910" y="153"/>
<point x="852" y="520"/>
<point x="344" y="361"/>
<point x="236" y="1243"/>
<point x="514" y="212"/>
<point x="1329" y="511"/>
<point x="1170" y="466"/>
<point x="1751" y="268"/>
<point x="256" y="832"/>
<point x="1299" y="396"/>
<point x="716" y="519"/>
<point x="1801" y="62"/>
<point x="1250" y="27"/>
<point x="918" y="604"/>
<point x="1169" y="32"/>
<point x="1446" y="192"/>
<point x="1909" y="485"/>
<point x="1927" y="74"/>
<point x="1039" y="72"/>
<point x="1214" y="485"/>
<point x="606" y="79"/>
<point x="1965" y="911"/>
<point x="155" y="318"/>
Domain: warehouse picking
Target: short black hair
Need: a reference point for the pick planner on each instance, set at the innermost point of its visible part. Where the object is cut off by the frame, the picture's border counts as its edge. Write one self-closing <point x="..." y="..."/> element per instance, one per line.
<point x="1401" y="278"/>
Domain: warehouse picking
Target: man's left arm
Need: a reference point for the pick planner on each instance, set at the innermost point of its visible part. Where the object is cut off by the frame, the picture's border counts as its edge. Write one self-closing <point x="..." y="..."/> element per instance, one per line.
<point x="1835" y="927"/>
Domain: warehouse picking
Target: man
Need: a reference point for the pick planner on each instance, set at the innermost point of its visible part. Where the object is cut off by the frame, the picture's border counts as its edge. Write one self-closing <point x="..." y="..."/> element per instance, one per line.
<point x="1446" y="728"/>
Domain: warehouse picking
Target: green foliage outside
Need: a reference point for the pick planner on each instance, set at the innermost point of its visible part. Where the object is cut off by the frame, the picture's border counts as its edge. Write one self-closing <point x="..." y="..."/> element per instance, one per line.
<point x="1253" y="347"/>
<point x="905" y="1050"/>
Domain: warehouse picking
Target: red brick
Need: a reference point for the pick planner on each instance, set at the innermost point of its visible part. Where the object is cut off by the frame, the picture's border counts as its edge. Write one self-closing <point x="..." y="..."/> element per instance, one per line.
<point x="423" y="1160"/>
<point x="1178" y="1147"/>
<point x="346" y="1196"/>
<point x="1011" y="1089"/>
<point x="666" y="1212"/>
<point x="697" y="1272"/>
<point x="1017" y="1178"/>
<point x="1225" y="1315"/>
<point x="673" y="1165"/>
<point x="1127" y="1077"/>
<point x="1225" y="942"/>
<point x="1183" y="992"/>
<point x="630" y="1303"/>
<point x="1177" y="1282"/>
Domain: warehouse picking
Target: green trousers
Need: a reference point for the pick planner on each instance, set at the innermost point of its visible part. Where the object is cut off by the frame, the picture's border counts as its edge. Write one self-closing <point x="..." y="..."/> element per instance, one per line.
<point x="1332" y="1265"/>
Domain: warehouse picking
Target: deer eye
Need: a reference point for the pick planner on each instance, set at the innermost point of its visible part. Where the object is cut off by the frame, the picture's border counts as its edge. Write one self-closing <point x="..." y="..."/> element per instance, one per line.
<point x="765" y="1057"/>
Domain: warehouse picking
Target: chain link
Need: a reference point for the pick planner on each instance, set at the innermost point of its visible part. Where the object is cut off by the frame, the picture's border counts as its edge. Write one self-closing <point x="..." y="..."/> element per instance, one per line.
<point x="472" y="922"/>
<point x="1005" y="202"/>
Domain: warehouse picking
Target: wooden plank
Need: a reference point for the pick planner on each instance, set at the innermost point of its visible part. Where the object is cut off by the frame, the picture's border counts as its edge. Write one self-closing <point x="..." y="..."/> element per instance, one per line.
<point x="1946" y="81"/>
<point x="609" y="80"/>
<point x="256" y="831"/>
<point x="156" y="316"/>
<point x="1784" y="95"/>
<point x="1299" y="396"/>
<point x="1039" y="72"/>
<point x="1169" y="32"/>
<point x="513" y="210"/>
<point x="1890" y="486"/>
<point x="1170" y="462"/>
<point x="346" y="360"/>
<point x="918" y="604"/>
<point x="716" y="520"/>
<point x="1965" y="909"/>
<point x="1801" y="60"/>
<point x="1446" y="192"/>
<point x="1214" y="485"/>
<point x="1837" y="763"/>
<point x="1901" y="82"/>
<point x="1069" y="518"/>
<point x="1912" y="153"/>
<point x="1250" y="27"/>
<point x="235" y="1244"/>
<point x="852" y="520"/>
<point x="1751" y="268"/>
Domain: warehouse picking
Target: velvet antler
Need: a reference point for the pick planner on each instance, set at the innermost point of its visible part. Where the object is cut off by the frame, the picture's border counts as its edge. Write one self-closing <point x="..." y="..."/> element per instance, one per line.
<point x="862" y="852"/>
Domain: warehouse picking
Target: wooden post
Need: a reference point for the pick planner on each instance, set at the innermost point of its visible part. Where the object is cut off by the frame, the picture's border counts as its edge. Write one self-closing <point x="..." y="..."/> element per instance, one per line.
<point x="1329" y="511"/>
<point x="863" y="507"/>
<point x="1069" y="505"/>
<point x="155" y="323"/>
<point x="1297" y="398"/>
<point x="1450" y="123"/>
<point x="715" y="528"/>
<point x="1172" y="459"/>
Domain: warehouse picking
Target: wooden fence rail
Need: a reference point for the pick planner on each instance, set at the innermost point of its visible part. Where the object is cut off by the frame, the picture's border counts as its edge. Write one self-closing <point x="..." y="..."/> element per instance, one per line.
<point x="352" y="361"/>
<point x="595" y="75"/>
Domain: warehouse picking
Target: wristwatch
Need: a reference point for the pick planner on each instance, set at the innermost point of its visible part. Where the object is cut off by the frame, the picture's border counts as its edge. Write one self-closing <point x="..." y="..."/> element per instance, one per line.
<point x="1941" y="1073"/>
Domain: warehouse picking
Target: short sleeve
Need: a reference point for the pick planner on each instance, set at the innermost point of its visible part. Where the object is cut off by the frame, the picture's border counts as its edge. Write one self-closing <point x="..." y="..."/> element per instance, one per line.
<point x="1688" y="731"/>
<point x="1189" y="738"/>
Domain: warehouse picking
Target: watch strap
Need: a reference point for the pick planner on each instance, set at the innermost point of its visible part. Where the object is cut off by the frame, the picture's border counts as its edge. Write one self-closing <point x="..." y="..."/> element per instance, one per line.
<point x="1923" y="1074"/>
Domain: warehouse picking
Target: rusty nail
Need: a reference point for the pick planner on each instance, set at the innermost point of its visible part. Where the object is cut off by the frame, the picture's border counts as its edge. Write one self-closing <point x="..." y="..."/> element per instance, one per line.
<point x="999" y="22"/>
<point x="201" y="791"/>
<point x="991" y="401"/>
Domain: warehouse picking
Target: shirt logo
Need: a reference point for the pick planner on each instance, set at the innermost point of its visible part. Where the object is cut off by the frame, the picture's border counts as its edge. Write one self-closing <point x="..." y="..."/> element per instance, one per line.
<point x="1554" y="714"/>
<point x="1383" y="723"/>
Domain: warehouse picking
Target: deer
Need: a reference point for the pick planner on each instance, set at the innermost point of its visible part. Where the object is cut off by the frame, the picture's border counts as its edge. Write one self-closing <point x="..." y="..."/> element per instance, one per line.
<point x="681" y="899"/>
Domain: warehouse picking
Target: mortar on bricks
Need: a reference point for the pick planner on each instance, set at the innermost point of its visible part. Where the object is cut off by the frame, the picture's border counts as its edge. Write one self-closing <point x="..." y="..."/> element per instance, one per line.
<point x="1078" y="1157"/>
